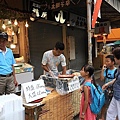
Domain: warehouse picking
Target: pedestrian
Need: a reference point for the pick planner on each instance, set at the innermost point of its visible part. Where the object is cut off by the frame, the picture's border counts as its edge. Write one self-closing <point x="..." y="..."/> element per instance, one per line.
<point x="7" y="74"/>
<point x="52" y="58"/>
<point x="87" y="72"/>
<point x="114" y="107"/>
<point x="108" y="74"/>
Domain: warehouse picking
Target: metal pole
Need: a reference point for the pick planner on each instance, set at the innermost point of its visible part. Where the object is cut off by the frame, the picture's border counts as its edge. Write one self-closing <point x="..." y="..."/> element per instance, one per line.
<point x="89" y="31"/>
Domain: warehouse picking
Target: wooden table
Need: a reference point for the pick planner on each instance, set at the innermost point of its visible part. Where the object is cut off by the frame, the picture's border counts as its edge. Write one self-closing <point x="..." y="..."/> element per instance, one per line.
<point x="32" y="110"/>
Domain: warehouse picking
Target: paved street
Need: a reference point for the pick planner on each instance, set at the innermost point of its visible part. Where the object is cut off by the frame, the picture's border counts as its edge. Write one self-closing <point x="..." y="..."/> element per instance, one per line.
<point x="76" y="117"/>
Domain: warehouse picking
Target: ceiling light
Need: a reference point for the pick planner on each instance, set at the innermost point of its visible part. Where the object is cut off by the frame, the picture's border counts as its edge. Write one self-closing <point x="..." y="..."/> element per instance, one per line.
<point x="104" y="34"/>
<point x="32" y="19"/>
<point x="13" y="33"/>
<point x="26" y="24"/>
<point x="4" y="26"/>
<point x="12" y="46"/>
<point x="9" y="22"/>
<point x="15" y="22"/>
<point x="68" y="23"/>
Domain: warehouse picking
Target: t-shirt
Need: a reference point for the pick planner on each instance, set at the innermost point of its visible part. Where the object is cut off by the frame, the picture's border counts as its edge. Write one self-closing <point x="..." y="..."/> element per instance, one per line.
<point x="6" y="61"/>
<point x="116" y="86"/>
<point x="53" y="61"/>
<point x="110" y="74"/>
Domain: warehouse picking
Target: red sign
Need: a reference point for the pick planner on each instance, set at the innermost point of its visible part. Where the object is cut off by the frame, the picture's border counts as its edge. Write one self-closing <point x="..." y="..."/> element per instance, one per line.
<point x="95" y="12"/>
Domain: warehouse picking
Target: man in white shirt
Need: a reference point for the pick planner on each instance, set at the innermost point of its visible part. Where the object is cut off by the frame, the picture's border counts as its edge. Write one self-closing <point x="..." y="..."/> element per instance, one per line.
<point x="52" y="58"/>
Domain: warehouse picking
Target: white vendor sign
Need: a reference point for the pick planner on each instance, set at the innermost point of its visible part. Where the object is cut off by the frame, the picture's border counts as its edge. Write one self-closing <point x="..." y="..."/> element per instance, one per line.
<point x="33" y="90"/>
<point x="74" y="84"/>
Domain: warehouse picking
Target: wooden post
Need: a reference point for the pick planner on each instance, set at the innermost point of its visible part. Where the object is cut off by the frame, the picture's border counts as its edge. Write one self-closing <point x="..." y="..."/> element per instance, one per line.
<point x="89" y="31"/>
<point x="64" y="28"/>
<point x="23" y="41"/>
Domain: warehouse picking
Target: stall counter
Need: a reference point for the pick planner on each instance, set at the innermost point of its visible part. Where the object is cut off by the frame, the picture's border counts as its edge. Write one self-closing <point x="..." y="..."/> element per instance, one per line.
<point x="56" y="107"/>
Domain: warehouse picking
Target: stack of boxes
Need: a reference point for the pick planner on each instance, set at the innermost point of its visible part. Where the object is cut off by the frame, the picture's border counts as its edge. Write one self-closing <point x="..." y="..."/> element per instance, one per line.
<point x="11" y="107"/>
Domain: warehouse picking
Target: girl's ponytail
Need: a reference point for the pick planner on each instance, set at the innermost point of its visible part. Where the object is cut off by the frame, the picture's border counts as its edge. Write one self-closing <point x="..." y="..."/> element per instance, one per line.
<point x="94" y="81"/>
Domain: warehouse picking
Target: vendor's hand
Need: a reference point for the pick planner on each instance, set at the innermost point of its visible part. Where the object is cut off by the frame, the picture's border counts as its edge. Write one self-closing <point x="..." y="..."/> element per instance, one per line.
<point x="51" y="73"/>
<point x="105" y="86"/>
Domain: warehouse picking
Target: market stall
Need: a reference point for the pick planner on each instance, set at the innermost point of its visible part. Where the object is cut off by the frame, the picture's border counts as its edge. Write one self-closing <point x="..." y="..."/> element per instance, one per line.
<point x="36" y="104"/>
<point x="55" y="106"/>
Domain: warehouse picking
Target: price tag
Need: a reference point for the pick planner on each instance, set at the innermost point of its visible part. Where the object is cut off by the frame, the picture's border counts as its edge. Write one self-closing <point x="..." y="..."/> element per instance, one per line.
<point x="74" y="84"/>
<point x="33" y="90"/>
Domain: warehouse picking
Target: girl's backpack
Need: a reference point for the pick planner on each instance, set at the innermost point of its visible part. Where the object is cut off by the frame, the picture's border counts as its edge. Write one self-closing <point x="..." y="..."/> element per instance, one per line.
<point x="97" y="97"/>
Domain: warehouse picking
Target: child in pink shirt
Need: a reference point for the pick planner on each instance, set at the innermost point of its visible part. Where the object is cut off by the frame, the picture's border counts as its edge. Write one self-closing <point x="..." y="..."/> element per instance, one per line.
<point x="85" y="112"/>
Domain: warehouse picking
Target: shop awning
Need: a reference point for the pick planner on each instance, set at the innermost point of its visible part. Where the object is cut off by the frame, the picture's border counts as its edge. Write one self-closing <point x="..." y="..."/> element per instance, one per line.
<point x="114" y="3"/>
<point x="114" y="12"/>
<point x="113" y="36"/>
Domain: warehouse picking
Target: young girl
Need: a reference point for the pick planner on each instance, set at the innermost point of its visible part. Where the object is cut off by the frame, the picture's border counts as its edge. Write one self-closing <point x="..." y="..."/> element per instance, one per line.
<point x="85" y="112"/>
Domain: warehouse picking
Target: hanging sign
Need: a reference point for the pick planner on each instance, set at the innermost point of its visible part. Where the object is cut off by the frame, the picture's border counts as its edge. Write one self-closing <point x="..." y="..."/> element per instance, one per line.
<point x="60" y="17"/>
<point x="34" y="90"/>
<point x="35" y="8"/>
<point x="62" y="3"/>
<point x="77" y="21"/>
<point x="102" y="28"/>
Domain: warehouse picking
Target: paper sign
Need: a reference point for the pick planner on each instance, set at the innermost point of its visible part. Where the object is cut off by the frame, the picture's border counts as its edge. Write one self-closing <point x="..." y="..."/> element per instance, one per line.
<point x="74" y="84"/>
<point x="33" y="90"/>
